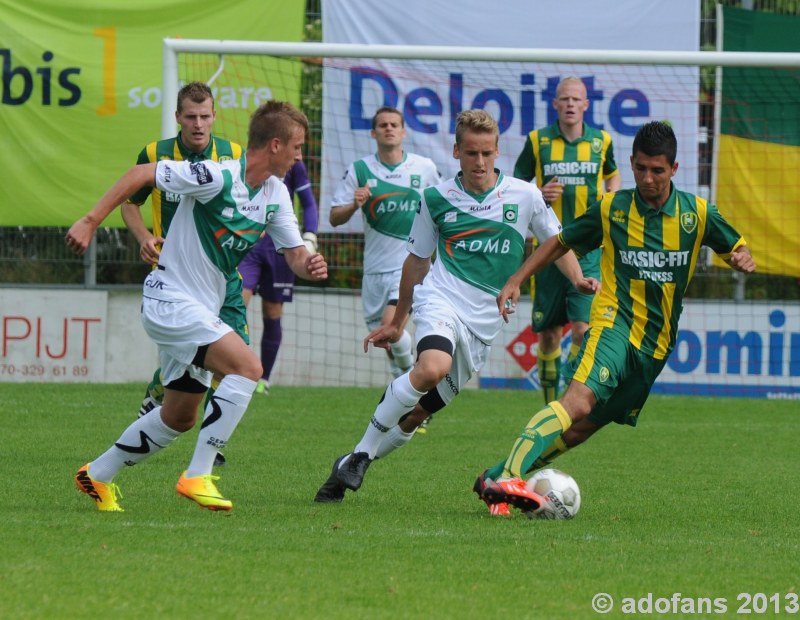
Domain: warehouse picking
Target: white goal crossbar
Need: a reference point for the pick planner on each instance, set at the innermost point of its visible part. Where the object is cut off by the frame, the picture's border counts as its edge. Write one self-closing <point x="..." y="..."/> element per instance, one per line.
<point x="172" y="47"/>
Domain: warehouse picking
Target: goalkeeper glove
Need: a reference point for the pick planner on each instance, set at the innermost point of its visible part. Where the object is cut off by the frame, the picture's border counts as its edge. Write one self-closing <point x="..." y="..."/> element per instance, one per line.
<point x="310" y="239"/>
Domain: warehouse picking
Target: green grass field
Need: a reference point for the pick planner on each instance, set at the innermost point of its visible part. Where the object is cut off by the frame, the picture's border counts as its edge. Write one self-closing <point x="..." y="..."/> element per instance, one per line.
<point x="701" y="499"/>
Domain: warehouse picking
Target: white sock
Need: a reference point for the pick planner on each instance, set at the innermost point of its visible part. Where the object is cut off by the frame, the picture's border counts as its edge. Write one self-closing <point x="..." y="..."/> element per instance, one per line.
<point x="223" y="414"/>
<point x="398" y="399"/>
<point x="395" y="438"/>
<point x="401" y="350"/>
<point x="143" y="438"/>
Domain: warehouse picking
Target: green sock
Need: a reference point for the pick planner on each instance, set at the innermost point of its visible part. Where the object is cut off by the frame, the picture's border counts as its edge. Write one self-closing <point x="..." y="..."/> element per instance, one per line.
<point x="542" y="430"/>
<point x="550" y="374"/>
<point x="496" y="471"/>
<point x="556" y="449"/>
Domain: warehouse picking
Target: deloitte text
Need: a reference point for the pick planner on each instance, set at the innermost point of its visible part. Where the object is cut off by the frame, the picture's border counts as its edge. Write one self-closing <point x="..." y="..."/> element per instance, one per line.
<point x="423" y="105"/>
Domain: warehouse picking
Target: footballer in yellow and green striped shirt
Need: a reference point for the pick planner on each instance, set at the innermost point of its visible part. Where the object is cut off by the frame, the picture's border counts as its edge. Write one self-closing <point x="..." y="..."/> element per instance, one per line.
<point x="650" y="238"/>
<point x="571" y="162"/>
<point x="165" y="204"/>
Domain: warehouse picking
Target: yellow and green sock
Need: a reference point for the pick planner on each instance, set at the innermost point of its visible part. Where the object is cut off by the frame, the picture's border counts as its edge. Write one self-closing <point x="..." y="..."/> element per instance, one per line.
<point x="539" y="435"/>
<point x="550" y="374"/>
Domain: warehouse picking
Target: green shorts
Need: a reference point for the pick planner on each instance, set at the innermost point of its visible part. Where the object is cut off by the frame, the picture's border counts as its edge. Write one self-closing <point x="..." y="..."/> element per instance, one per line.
<point x="619" y="375"/>
<point x="233" y="310"/>
<point x="555" y="301"/>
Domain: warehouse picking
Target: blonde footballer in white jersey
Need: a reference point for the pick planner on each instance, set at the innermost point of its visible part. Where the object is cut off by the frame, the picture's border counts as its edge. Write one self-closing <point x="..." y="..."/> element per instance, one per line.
<point x="386" y="187"/>
<point x="224" y="209"/>
<point x="477" y="224"/>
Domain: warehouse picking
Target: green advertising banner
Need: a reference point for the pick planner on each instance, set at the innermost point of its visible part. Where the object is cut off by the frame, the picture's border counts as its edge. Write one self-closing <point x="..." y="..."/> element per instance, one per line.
<point x="81" y="90"/>
<point x="759" y="147"/>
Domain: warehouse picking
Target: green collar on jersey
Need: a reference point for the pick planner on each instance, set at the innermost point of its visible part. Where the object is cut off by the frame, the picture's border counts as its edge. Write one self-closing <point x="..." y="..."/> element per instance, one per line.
<point x="669" y="207"/>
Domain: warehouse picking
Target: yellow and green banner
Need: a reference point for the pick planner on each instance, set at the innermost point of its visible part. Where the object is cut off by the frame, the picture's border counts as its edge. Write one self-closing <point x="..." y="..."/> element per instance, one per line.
<point x="81" y="90"/>
<point x="758" y="186"/>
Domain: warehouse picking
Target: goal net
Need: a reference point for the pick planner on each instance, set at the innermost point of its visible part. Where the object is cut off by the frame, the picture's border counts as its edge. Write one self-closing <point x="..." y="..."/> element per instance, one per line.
<point x="723" y="348"/>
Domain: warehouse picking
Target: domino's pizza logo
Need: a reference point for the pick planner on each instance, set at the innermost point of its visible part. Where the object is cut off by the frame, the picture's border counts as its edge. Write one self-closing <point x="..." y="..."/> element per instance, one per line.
<point x="524" y="349"/>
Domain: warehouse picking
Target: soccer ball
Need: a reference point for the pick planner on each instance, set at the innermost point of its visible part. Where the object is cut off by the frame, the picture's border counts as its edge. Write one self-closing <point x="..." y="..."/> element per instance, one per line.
<point x="561" y="492"/>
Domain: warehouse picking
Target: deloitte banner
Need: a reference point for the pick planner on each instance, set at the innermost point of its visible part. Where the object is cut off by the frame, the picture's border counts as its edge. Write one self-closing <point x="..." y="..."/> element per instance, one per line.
<point x="81" y="90"/>
<point x="519" y="95"/>
<point x="723" y="349"/>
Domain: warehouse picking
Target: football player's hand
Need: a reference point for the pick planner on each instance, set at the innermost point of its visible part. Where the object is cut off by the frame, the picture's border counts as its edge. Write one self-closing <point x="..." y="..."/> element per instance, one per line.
<point x="361" y="195"/>
<point x="552" y="190"/>
<point x="150" y="250"/>
<point x="507" y="301"/>
<point x="742" y="260"/>
<point x="382" y="337"/>
<point x="79" y="235"/>
<point x="587" y="286"/>
<point x="317" y="267"/>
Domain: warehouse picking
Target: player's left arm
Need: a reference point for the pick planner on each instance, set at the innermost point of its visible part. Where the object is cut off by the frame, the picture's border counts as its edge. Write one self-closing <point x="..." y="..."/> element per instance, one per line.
<point x="614" y="183"/>
<point x="741" y="260"/>
<point x="720" y="235"/>
<point x="305" y="264"/>
<point x="611" y="176"/>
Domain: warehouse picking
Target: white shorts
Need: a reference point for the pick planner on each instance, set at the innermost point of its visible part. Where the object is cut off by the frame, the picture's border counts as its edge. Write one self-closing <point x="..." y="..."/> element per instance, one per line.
<point x="179" y="328"/>
<point x="469" y="353"/>
<point x="376" y="291"/>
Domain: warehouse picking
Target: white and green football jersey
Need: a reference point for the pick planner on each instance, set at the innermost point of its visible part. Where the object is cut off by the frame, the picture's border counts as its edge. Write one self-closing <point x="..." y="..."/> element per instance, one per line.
<point x="479" y="242"/>
<point x="218" y="220"/>
<point x="388" y="214"/>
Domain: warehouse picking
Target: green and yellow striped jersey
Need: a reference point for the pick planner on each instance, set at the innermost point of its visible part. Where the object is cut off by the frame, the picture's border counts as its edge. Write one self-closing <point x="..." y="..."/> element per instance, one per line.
<point x="165" y="203"/>
<point x="580" y="166"/>
<point x="647" y="260"/>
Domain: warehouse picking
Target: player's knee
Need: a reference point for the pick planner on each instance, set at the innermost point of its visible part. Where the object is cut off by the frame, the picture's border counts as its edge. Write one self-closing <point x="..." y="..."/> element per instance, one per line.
<point x="254" y="371"/>
<point x="578" y="331"/>
<point x="549" y="339"/>
<point x="578" y="401"/>
<point x="430" y="370"/>
<point x="248" y="367"/>
<point x="412" y="420"/>
<point x="180" y="418"/>
<point x="579" y="432"/>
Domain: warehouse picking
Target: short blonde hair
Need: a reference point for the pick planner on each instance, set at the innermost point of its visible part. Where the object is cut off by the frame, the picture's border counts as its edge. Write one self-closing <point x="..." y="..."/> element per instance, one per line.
<point x="478" y="121"/>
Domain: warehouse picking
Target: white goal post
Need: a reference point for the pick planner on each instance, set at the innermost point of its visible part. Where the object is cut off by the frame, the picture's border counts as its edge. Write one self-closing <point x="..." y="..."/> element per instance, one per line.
<point x="173" y="47"/>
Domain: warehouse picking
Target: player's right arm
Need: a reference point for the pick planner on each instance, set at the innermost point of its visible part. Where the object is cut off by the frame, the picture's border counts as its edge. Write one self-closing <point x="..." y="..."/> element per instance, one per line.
<point x="148" y="243"/>
<point x="348" y="199"/>
<point x="79" y="236"/>
<point x="415" y="268"/>
<point x="549" y="251"/>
